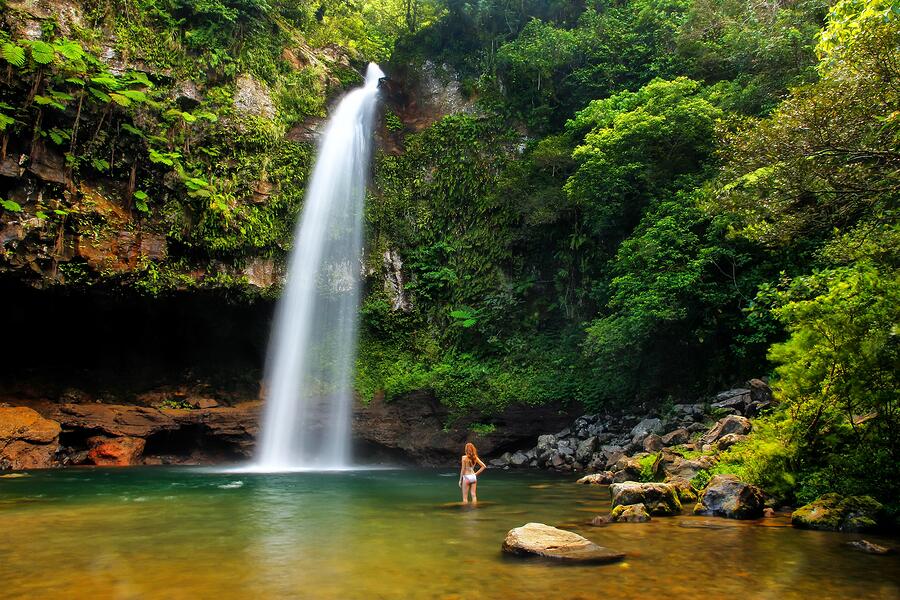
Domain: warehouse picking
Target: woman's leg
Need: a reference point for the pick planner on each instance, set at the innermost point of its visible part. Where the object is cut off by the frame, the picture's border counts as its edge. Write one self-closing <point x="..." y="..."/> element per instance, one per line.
<point x="472" y="490"/>
<point x="465" y="491"/>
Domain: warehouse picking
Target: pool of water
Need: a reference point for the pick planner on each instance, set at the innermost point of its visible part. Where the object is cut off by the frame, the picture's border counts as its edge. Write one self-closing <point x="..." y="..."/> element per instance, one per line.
<point x="193" y="533"/>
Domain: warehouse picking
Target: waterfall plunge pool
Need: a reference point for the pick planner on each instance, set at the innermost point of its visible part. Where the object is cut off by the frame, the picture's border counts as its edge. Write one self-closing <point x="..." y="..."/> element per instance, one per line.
<point x="160" y="532"/>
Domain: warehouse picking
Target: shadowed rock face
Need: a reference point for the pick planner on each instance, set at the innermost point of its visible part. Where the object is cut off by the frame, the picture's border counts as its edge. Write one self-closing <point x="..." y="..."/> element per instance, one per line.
<point x="414" y="427"/>
<point x="537" y="539"/>
<point x="410" y="429"/>
<point x="27" y="440"/>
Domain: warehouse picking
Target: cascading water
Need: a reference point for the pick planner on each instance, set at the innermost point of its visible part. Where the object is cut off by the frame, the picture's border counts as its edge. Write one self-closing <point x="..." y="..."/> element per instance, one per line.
<point x="313" y="343"/>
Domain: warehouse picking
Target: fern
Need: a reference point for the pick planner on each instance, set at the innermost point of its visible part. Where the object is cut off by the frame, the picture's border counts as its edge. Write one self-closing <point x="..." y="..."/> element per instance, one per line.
<point x="13" y="54"/>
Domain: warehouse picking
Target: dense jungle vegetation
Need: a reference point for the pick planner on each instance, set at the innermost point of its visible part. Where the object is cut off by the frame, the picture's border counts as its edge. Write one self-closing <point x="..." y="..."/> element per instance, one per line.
<point x="643" y="201"/>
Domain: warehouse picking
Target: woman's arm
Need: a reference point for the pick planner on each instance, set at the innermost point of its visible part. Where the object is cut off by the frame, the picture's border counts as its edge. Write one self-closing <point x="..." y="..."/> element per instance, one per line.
<point x="462" y="468"/>
<point x="483" y="467"/>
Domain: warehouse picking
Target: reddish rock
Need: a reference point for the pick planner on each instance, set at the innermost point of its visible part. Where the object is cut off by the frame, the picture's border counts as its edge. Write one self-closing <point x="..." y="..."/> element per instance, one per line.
<point x="121" y="251"/>
<point x="115" y="452"/>
<point x="27" y="440"/>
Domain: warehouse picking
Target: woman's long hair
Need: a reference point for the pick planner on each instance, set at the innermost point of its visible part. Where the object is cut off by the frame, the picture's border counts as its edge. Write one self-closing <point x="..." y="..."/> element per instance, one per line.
<point x="472" y="453"/>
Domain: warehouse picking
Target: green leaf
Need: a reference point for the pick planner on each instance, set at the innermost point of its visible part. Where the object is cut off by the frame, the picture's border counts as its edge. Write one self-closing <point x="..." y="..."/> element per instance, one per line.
<point x="48" y="101"/>
<point x="57" y="139"/>
<point x="460" y="314"/>
<point x="10" y="205"/>
<point x="102" y="96"/>
<point x="70" y="49"/>
<point x="107" y="81"/>
<point x="141" y="205"/>
<point x="61" y="212"/>
<point x="40" y="214"/>
<point x="132" y="130"/>
<point x="5" y="121"/>
<point x="13" y="54"/>
<point x="41" y="52"/>
<point x="139" y="77"/>
<point x="134" y="95"/>
<point x="469" y="322"/>
<point x="140" y="195"/>
<point x="120" y="99"/>
<point x="100" y="164"/>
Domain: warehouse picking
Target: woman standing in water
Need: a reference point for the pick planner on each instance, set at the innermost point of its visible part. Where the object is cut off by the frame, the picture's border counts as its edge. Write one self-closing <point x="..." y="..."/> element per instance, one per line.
<point x="468" y="476"/>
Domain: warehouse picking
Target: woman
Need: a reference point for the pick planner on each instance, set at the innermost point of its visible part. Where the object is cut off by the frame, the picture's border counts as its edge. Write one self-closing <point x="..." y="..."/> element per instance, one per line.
<point x="468" y="476"/>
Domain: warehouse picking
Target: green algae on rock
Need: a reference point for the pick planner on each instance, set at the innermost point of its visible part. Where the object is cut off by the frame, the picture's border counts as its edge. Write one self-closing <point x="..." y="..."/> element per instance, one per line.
<point x="833" y="512"/>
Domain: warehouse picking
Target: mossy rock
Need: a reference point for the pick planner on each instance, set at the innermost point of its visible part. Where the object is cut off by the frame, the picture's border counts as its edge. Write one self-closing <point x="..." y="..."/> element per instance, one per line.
<point x="833" y="512"/>
<point x="629" y="513"/>
<point x="660" y="499"/>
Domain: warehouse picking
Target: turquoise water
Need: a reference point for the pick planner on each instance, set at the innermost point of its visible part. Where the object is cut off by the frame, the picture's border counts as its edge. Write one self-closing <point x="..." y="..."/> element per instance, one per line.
<point x="192" y="533"/>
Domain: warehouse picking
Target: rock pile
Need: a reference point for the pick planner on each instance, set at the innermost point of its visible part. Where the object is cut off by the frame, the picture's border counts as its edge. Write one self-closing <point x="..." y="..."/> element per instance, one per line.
<point x="612" y="446"/>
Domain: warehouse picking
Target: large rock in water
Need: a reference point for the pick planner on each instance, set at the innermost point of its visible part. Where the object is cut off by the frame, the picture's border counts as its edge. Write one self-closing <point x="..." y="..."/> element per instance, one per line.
<point x="727" y="496"/>
<point x="833" y="512"/>
<point x="658" y="498"/>
<point x="27" y="440"/>
<point x="629" y="513"/>
<point x="601" y="478"/>
<point x="537" y="539"/>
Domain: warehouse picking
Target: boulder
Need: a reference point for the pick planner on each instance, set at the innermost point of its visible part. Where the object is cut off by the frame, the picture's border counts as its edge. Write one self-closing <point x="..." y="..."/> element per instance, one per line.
<point x="115" y="452"/>
<point x="627" y="468"/>
<point x="684" y="489"/>
<point x="629" y="513"/>
<point x="726" y="425"/>
<point x="546" y="442"/>
<point x="728" y="440"/>
<point x="727" y="496"/>
<point x="676" y="438"/>
<point x="252" y="98"/>
<point x="645" y="427"/>
<point x="602" y="478"/>
<point x="736" y="399"/>
<point x="652" y="443"/>
<point x="27" y="440"/>
<point x="760" y="391"/>
<point x="585" y="449"/>
<point x="519" y="459"/>
<point x="658" y="498"/>
<point x="833" y="512"/>
<point x="685" y="468"/>
<point x="537" y="539"/>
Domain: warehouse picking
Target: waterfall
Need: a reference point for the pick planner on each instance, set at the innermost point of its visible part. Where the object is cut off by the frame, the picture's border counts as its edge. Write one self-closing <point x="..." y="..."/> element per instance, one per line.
<point x="307" y="383"/>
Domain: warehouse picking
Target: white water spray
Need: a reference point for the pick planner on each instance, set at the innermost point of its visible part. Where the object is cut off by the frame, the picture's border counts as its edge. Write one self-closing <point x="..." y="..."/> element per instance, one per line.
<point x="313" y="342"/>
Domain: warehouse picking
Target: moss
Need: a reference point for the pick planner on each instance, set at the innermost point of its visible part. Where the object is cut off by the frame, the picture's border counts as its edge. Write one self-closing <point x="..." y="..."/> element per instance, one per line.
<point x="834" y="512"/>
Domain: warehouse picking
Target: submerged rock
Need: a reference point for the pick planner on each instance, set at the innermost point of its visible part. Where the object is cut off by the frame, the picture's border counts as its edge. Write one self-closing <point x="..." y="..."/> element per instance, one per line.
<point x="833" y="512"/>
<point x="537" y="539"/>
<point x="729" y="497"/>
<point x="658" y="498"/>
<point x="27" y="440"/>
<point x="602" y="478"/>
<point x="869" y="547"/>
<point x="629" y="513"/>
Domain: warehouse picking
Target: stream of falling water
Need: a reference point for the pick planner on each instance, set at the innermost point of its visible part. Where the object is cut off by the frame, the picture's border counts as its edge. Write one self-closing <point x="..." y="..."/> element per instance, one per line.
<point x="307" y="384"/>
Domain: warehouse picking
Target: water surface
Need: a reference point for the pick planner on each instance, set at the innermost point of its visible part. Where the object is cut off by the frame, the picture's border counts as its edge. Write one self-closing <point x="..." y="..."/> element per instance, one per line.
<point x="191" y="533"/>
